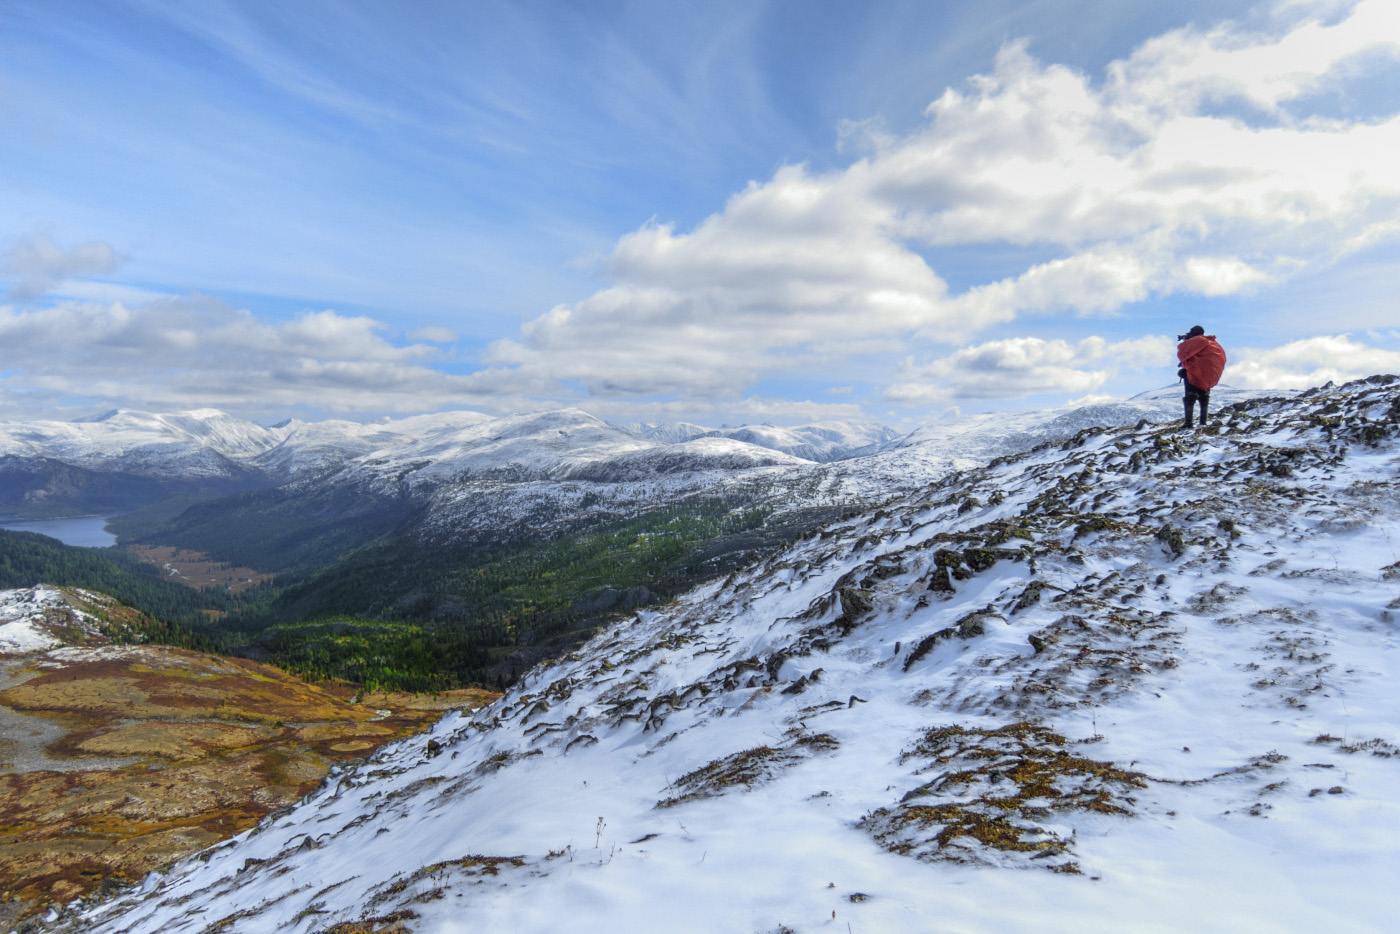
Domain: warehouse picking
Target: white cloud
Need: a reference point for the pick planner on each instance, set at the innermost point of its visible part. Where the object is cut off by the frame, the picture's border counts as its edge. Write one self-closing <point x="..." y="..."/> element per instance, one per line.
<point x="1218" y="275"/>
<point x="1021" y="367"/>
<point x="37" y="265"/>
<point x="1193" y="68"/>
<point x="174" y="353"/>
<point x="1183" y="170"/>
<point x="790" y="270"/>
<point x="1310" y="362"/>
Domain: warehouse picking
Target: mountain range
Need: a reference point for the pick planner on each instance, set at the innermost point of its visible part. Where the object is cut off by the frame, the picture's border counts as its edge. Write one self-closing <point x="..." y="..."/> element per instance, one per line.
<point x="124" y="459"/>
<point x="211" y="443"/>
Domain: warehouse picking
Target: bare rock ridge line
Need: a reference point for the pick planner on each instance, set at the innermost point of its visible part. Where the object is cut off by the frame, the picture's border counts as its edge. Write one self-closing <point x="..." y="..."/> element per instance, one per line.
<point x="1148" y="661"/>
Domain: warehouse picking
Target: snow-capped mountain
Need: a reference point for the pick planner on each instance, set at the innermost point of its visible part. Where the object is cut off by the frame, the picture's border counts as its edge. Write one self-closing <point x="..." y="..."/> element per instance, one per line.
<point x="821" y="442"/>
<point x="665" y="432"/>
<point x="312" y="447"/>
<point x="206" y="443"/>
<point x="1136" y="679"/>
<point x="198" y="443"/>
<point x="569" y="444"/>
<point x="540" y="445"/>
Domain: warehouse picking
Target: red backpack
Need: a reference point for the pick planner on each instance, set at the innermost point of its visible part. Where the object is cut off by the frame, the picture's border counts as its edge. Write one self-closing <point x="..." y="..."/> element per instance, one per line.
<point x="1203" y="360"/>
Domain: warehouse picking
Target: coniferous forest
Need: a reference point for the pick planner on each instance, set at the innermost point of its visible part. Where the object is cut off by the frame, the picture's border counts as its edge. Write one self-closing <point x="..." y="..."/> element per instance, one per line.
<point x="357" y="600"/>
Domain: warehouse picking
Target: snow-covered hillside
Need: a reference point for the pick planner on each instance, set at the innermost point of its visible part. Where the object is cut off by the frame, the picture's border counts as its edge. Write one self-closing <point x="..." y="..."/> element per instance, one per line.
<point x="959" y="444"/>
<point x="1137" y="680"/>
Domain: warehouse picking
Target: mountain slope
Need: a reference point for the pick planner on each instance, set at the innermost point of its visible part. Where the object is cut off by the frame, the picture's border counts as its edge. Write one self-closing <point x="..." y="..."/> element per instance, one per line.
<point x="1159" y="663"/>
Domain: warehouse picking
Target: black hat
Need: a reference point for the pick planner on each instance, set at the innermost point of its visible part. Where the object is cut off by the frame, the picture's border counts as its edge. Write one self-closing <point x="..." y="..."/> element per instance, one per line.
<point x="1197" y="331"/>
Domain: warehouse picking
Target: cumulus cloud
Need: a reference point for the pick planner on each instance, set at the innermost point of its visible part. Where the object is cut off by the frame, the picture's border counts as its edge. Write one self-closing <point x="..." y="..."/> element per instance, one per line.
<point x="1185" y="168"/>
<point x="179" y="352"/>
<point x="37" y="265"/>
<point x="1310" y="362"/>
<point x="1022" y="367"/>
<point x="791" y="271"/>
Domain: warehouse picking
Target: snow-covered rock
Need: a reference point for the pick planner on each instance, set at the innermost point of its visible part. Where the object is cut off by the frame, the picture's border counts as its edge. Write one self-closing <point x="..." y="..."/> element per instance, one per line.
<point x="36" y="619"/>
<point x="1159" y="663"/>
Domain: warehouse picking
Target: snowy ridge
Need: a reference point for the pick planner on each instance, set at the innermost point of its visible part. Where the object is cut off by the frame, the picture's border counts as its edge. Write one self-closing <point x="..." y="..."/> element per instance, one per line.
<point x="570" y="444"/>
<point x="537" y="446"/>
<point x="1161" y="664"/>
<point x="199" y="443"/>
<point x="432" y="448"/>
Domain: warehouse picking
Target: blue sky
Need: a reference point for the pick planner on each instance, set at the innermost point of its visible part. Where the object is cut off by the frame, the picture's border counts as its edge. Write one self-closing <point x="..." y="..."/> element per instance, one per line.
<point x="720" y="212"/>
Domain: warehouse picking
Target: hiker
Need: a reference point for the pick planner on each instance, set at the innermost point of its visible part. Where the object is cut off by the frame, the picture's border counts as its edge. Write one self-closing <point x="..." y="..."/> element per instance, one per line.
<point x="1202" y="361"/>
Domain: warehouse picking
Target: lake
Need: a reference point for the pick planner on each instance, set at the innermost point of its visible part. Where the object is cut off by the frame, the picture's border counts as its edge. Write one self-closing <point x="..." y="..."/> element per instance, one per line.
<point x="85" y="531"/>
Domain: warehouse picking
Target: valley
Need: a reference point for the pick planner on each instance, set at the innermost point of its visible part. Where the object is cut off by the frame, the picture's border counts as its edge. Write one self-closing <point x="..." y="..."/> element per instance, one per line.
<point x="115" y="760"/>
<point x="196" y="569"/>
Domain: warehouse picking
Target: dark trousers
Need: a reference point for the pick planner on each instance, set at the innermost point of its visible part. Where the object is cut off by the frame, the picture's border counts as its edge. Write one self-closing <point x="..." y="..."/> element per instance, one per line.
<point x="1194" y="395"/>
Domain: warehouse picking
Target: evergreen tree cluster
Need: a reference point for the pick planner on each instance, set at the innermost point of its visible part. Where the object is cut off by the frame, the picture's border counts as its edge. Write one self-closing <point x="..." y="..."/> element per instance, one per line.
<point x="390" y="610"/>
<point x="28" y="559"/>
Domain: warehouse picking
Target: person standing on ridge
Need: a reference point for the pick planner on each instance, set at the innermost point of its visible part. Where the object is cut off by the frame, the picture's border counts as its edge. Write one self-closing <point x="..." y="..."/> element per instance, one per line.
<point x="1202" y="361"/>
